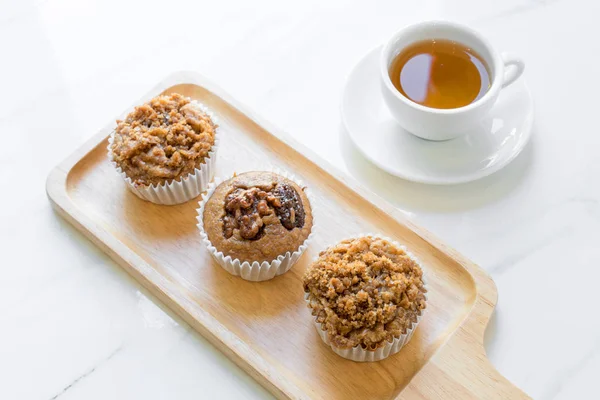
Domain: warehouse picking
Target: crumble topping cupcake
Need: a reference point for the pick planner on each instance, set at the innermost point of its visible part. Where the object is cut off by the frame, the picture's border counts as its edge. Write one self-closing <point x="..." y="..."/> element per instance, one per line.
<point x="367" y="296"/>
<point x="256" y="224"/>
<point x="165" y="149"/>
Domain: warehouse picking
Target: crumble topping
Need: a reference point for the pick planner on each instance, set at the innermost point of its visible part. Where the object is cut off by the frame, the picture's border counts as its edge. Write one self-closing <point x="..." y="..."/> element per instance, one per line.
<point x="365" y="291"/>
<point x="163" y="139"/>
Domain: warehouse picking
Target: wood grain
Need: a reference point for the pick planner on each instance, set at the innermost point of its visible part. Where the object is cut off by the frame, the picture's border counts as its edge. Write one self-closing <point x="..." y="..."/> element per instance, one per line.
<point x="265" y="327"/>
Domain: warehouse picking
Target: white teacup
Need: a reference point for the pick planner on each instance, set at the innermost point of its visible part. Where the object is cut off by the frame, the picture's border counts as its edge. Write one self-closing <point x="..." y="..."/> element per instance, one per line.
<point x="442" y="124"/>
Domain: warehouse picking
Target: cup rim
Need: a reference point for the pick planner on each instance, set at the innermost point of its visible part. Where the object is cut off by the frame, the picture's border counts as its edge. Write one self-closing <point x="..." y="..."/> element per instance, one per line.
<point x="496" y="60"/>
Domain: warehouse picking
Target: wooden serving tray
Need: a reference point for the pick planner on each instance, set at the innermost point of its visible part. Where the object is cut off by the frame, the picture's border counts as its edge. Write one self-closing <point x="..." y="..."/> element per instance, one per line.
<point x="265" y="327"/>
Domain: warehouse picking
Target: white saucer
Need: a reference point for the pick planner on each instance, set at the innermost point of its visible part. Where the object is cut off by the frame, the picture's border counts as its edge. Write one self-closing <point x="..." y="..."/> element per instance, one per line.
<point x="488" y="148"/>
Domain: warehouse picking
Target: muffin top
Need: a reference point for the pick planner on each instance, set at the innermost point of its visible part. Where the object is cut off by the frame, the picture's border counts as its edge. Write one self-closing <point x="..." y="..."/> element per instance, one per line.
<point x="257" y="216"/>
<point x="365" y="291"/>
<point x="164" y="139"/>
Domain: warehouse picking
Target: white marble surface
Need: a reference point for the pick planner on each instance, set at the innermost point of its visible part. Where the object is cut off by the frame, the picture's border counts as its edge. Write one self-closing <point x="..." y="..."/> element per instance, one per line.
<point x="73" y="325"/>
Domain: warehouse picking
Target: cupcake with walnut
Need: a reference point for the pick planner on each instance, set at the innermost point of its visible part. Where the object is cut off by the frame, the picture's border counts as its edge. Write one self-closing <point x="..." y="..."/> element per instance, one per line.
<point x="367" y="296"/>
<point x="165" y="149"/>
<point x="256" y="224"/>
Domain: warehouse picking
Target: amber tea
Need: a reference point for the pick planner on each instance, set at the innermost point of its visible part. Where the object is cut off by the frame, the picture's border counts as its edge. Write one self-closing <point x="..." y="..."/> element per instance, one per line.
<point x="440" y="73"/>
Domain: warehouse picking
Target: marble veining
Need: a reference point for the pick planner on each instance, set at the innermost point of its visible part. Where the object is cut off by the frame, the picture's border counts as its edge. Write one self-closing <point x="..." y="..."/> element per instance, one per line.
<point x="86" y="374"/>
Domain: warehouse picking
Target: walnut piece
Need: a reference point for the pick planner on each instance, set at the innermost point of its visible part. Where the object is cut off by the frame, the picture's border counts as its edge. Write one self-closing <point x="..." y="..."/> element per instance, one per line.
<point x="365" y="292"/>
<point x="290" y="210"/>
<point x="245" y="208"/>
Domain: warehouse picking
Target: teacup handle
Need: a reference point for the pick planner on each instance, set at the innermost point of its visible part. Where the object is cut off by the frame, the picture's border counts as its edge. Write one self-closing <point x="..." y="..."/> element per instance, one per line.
<point x="513" y="68"/>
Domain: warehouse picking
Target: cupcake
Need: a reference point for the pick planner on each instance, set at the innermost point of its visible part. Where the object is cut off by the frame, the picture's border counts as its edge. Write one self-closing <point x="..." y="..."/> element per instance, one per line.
<point x="367" y="296"/>
<point x="256" y="224"/>
<point x="165" y="149"/>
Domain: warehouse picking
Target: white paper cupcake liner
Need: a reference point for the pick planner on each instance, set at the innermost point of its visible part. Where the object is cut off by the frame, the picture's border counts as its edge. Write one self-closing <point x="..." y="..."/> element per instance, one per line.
<point x="359" y="354"/>
<point x="255" y="271"/>
<point x="176" y="191"/>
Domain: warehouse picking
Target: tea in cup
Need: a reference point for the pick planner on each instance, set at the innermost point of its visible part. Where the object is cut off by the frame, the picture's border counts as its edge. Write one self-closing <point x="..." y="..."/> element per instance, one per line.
<point x="440" y="79"/>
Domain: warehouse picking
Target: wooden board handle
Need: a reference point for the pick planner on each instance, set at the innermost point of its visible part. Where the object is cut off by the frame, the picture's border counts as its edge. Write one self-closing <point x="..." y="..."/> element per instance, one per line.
<point x="487" y="375"/>
<point x="461" y="370"/>
<point x="481" y="378"/>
